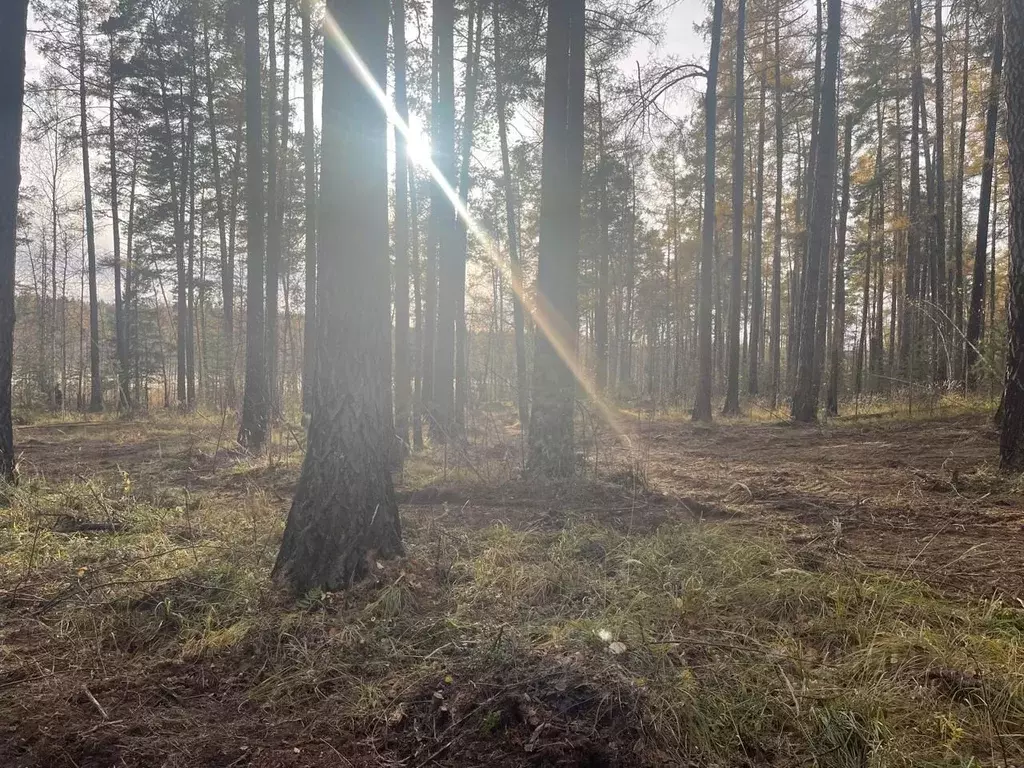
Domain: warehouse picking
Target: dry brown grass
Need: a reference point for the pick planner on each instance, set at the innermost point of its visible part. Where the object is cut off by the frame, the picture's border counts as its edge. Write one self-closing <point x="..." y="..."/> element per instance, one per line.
<point x="698" y="606"/>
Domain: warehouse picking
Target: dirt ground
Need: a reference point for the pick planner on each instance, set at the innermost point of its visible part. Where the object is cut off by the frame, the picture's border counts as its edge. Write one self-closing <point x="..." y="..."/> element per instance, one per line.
<point x="919" y="498"/>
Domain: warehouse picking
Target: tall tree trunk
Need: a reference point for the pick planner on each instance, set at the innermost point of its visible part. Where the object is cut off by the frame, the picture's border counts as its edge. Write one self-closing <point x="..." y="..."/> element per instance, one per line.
<point x="958" y="214"/>
<point x="310" y="206"/>
<point x="13" y="23"/>
<point x="96" y="383"/>
<point x="629" y="287"/>
<point x="862" y="340"/>
<point x="473" y="45"/>
<point x="177" y="201"/>
<point x="757" y="255"/>
<point x="839" y="318"/>
<point x="913" y="285"/>
<point x="403" y="378"/>
<point x="417" y="303"/>
<point x="190" y="335"/>
<point x="876" y="344"/>
<point x="227" y="275"/>
<point x="732" y="391"/>
<point x="344" y="515"/>
<point x="123" y="377"/>
<point x="940" y="183"/>
<point x="512" y="225"/>
<point x="1011" y="443"/>
<point x="274" y="239"/>
<point x="809" y="177"/>
<point x="776" y="312"/>
<point x="994" y="228"/>
<point x="975" y="319"/>
<point x="449" y="272"/>
<point x="255" y="405"/>
<point x="438" y="205"/>
<point x="805" y="396"/>
<point x="554" y="385"/>
<point x="705" y="353"/>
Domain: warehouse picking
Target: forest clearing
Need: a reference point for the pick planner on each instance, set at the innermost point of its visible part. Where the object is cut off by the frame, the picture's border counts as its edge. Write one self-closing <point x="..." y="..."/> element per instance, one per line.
<point x="749" y="593"/>
<point x="415" y="383"/>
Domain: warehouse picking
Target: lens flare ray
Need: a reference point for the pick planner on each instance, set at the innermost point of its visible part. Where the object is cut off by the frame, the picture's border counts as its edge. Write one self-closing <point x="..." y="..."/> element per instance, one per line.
<point x="564" y="347"/>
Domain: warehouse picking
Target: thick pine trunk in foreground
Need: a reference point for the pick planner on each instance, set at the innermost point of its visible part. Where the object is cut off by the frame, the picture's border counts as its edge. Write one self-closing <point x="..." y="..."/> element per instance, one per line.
<point x="13" y="20"/>
<point x="705" y="352"/>
<point x="344" y="516"/>
<point x="1011" y="444"/>
<point x="255" y="405"/>
<point x="805" y="396"/>
<point x="554" y="385"/>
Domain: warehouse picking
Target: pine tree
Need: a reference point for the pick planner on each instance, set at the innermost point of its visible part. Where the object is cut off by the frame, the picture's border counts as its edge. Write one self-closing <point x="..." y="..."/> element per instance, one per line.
<point x="344" y="515"/>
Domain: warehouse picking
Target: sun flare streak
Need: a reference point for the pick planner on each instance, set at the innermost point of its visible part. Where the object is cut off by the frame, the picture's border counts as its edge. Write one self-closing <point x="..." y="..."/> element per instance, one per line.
<point x="419" y="151"/>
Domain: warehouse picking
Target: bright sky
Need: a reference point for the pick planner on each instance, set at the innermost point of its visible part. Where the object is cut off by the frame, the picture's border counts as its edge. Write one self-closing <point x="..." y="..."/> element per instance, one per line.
<point x="680" y="41"/>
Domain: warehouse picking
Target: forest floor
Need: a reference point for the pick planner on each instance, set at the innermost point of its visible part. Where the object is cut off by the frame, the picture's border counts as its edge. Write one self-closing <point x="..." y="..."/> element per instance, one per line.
<point x="744" y="594"/>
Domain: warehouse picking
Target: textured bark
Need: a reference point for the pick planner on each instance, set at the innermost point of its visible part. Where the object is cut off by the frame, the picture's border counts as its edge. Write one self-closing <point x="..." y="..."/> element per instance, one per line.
<point x="705" y="353"/>
<point x="732" y="390"/>
<point x="253" y="432"/>
<point x="550" y="449"/>
<point x="1011" y="443"/>
<point x="975" y="325"/>
<point x="13" y="20"/>
<point x="403" y="379"/>
<point x="310" y="206"/>
<point x="512" y="226"/>
<point x="805" y="396"/>
<point x="807" y="188"/>
<point x="344" y="516"/>
<point x="839" y="317"/>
